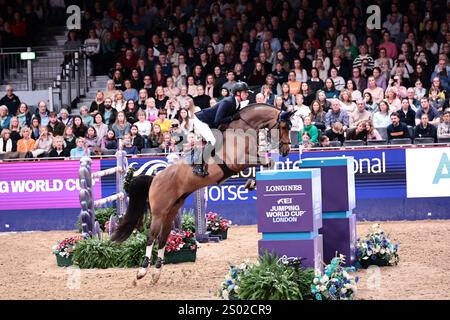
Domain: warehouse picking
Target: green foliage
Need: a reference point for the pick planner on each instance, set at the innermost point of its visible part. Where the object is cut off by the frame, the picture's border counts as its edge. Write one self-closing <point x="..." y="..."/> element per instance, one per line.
<point x="95" y="253"/>
<point x="273" y="280"/>
<point x="188" y="220"/>
<point x="104" y="214"/>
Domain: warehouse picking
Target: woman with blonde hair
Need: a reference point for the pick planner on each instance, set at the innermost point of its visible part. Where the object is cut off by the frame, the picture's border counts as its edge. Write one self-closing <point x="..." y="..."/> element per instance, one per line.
<point x="347" y="104"/>
<point x="171" y="90"/>
<point x="391" y="98"/>
<point x="151" y="111"/>
<point x="14" y="128"/>
<point x="142" y="99"/>
<point x="6" y="143"/>
<point x="26" y="144"/>
<point x="119" y="102"/>
<point x="110" y="91"/>
<point x="121" y="126"/>
<point x="372" y="133"/>
<point x="43" y="143"/>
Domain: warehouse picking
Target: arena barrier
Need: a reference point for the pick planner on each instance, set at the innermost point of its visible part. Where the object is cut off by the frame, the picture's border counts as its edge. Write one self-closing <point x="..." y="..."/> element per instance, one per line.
<point x="308" y="212"/>
<point x="89" y="226"/>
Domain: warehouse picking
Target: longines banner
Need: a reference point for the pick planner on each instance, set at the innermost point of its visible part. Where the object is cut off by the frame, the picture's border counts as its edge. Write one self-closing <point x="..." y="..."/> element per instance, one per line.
<point x="44" y="195"/>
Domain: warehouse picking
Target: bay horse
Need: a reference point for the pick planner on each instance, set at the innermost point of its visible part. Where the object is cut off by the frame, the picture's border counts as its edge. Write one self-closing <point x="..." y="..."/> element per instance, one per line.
<point x="167" y="191"/>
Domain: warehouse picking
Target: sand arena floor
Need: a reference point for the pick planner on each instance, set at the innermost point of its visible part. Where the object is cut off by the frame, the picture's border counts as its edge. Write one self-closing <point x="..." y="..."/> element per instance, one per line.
<point x="28" y="269"/>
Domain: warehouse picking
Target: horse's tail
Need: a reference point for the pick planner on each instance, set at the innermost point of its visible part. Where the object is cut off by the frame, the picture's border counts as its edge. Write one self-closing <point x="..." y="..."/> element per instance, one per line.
<point x="137" y="207"/>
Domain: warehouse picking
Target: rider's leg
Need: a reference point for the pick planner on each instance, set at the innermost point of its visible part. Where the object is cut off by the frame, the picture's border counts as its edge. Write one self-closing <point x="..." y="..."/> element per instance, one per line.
<point x="205" y="131"/>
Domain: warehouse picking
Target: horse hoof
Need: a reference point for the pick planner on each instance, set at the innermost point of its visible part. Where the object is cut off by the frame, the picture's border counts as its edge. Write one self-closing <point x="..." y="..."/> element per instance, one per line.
<point x="155" y="276"/>
<point x="141" y="273"/>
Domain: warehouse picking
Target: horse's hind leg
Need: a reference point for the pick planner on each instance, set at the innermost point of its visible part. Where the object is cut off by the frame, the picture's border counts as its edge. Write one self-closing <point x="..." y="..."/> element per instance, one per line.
<point x="162" y="239"/>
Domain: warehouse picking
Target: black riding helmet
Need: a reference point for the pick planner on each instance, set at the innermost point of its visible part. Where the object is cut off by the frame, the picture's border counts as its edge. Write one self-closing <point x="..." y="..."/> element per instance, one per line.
<point x="240" y="86"/>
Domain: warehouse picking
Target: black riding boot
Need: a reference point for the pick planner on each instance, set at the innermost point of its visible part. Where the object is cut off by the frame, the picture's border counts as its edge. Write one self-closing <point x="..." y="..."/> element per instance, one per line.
<point x="199" y="169"/>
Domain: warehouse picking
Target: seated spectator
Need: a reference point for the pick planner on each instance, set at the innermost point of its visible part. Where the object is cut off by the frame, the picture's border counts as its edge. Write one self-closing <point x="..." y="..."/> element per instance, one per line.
<point x="156" y="137"/>
<point x="339" y="82"/>
<point x="80" y="150"/>
<point x="79" y="129"/>
<point x="151" y="112"/>
<point x="442" y="72"/>
<point x="6" y="143"/>
<point x="177" y="135"/>
<point x="397" y="129"/>
<point x="309" y="128"/>
<point x="306" y="141"/>
<point x="358" y="133"/>
<point x="128" y="146"/>
<point x="14" y="128"/>
<point x="130" y="93"/>
<point x="85" y="116"/>
<point x="42" y="113"/>
<point x="336" y="114"/>
<point x="382" y="118"/>
<point x="92" y="141"/>
<point x="330" y="91"/>
<point x="324" y="142"/>
<point x="315" y="82"/>
<point x="279" y="103"/>
<point x="109" y="141"/>
<point x="306" y="93"/>
<point x="100" y="127"/>
<point x="406" y="113"/>
<point x="161" y="99"/>
<point x="108" y="112"/>
<point x="119" y="102"/>
<point x="317" y="115"/>
<point x="24" y="115"/>
<point x="436" y="101"/>
<point x="65" y="118"/>
<point x="111" y="90"/>
<point x="186" y="122"/>
<point x="286" y="95"/>
<point x="425" y="129"/>
<point x="168" y="144"/>
<point x="323" y="101"/>
<point x="202" y="99"/>
<point x="43" y="144"/>
<point x="371" y="106"/>
<point x="121" y="126"/>
<point x="136" y="139"/>
<point x="141" y="104"/>
<point x="419" y="90"/>
<point x="425" y="107"/>
<point x="144" y="126"/>
<point x="10" y="100"/>
<point x="360" y="114"/>
<point x="372" y="132"/>
<point x="336" y="133"/>
<point x="97" y="104"/>
<point x="35" y="125"/>
<point x="162" y="122"/>
<point x="302" y="110"/>
<point x="69" y="138"/>
<point x="346" y="101"/>
<point x="293" y="84"/>
<point x="4" y="117"/>
<point x="58" y="150"/>
<point x="131" y="111"/>
<point x="354" y="93"/>
<point x="380" y="78"/>
<point x="443" y="130"/>
<point x="413" y="101"/>
<point x="376" y="92"/>
<point x="392" y="100"/>
<point x="55" y="127"/>
<point x="26" y="144"/>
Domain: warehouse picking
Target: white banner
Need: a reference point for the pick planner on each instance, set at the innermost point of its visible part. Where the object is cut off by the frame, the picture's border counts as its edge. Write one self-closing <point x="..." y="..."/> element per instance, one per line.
<point x="428" y="172"/>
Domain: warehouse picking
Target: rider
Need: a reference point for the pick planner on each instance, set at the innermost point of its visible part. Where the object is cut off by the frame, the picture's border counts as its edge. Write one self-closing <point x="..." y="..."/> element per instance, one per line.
<point x="217" y="117"/>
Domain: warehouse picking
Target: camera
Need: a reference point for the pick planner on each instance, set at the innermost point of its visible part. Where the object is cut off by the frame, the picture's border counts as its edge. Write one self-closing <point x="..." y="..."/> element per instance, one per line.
<point x="174" y="125"/>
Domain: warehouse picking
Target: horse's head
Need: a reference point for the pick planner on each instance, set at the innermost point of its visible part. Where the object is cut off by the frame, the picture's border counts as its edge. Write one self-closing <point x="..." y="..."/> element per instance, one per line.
<point x="284" y="125"/>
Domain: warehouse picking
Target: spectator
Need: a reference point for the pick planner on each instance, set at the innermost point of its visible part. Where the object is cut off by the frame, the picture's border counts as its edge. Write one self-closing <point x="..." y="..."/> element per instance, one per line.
<point x="72" y="45"/>
<point x="4" y="117"/>
<point x="69" y="138"/>
<point x="55" y="127"/>
<point x="14" y="128"/>
<point x="336" y="114"/>
<point x="293" y="84"/>
<point x="413" y="101"/>
<point x="108" y="112"/>
<point x="80" y="150"/>
<point x="121" y="126"/>
<point x="128" y="146"/>
<point x="317" y="115"/>
<point x="336" y="133"/>
<point x="130" y="93"/>
<point x="99" y="125"/>
<point x="91" y="141"/>
<point x="97" y="104"/>
<point x="339" y="82"/>
<point x="372" y="132"/>
<point x="201" y="100"/>
<point x="92" y="50"/>
<point x="442" y="72"/>
<point x="34" y="129"/>
<point x="354" y="93"/>
<point x="119" y="102"/>
<point x="6" y="143"/>
<point x="10" y="100"/>
<point x="359" y="80"/>
<point x="306" y="141"/>
<point x="397" y="129"/>
<point x="109" y="142"/>
<point x="26" y="144"/>
<point x="43" y="143"/>
<point x="371" y="106"/>
<point x="388" y="45"/>
<point x="443" y="130"/>
<point x="346" y="101"/>
<point x="382" y="118"/>
<point x="391" y="98"/>
<point x="360" y="114"/>
<point x="131" y="111"/>
<point x="309" y="128"/>
<point x="359" y="132"/>
<point x="315" y="82"/>
<point x="380" y="78"/>
<point x="406" y="113"/>
<point x="324" y="142"/>
<point x="376" y="92"/>
<point x="329" y="89"/>
<point x="168" y="145"/>
<point x="79" y="128"/>
<point x="156" y="137"/>
<point x="24" y="115"/>
<point x="424" y="129"/>
<point x="58" y="150"/>
<point x="425" y="107"/>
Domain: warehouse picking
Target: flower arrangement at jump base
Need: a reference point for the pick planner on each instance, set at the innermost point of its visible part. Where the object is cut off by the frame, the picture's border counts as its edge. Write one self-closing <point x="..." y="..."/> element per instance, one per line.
<point x="230" y="286"/>
<point x="335" y="283"/>
<point x="376" y="249"/>
<point x="64" y="250"/>
<point x="181" y="246"/>
<point x="217" y="225"/>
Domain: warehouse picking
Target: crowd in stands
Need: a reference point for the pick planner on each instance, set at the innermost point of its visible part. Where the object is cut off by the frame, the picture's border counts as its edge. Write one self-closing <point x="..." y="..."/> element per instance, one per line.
<point x="345" y="80"/>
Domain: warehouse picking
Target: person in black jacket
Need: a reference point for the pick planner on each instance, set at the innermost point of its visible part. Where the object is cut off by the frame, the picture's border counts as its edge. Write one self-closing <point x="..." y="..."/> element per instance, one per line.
<point x="136" y="138"/>
<point x="218" y="116"/>
<point x="425" y="129"/>
<point x="108" y="112"/>
<point x="10" y="100"/>
<point x="407" y="114"/>
<point x="397" y="129"/>
<point x="58" y="150"/>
